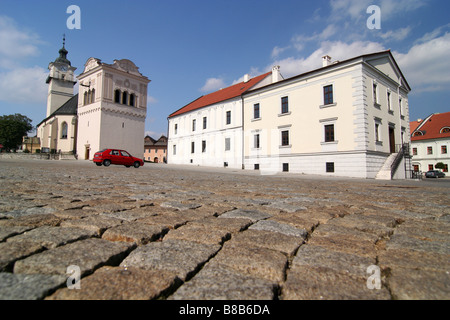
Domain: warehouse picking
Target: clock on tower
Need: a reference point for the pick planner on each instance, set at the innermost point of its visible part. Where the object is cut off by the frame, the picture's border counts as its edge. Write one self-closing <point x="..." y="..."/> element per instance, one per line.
<point x="61" y="81"/>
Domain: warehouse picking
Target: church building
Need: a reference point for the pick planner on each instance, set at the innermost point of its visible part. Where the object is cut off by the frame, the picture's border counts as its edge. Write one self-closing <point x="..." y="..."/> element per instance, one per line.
<point x="108" y="112"/>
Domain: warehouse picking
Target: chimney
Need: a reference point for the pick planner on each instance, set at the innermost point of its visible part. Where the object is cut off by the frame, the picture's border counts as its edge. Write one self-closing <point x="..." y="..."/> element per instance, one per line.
<point x="246" y="78"/>
<point x="276" y="76"/>
<point x="326" y="61"/>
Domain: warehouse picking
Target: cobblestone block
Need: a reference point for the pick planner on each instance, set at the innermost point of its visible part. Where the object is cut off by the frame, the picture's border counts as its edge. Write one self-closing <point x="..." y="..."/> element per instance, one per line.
<point x="311" y="283"/>
<point x="198" y="233"/>
<point x="12" y="251"/>
<point x="398" y="241"/>
<point x="118" y="283"/>
<point x="180" y="205"/>
<point x="407" y="284"/>
<point x="6" y="231"/>
<point x="330" y="230"/>
<point x="169" y="220"/>
<point x="135" y="232"/>
<point x="274" y="226"/>
<point x="97" y="223"/>
<point x="346" y="244"/>
<point x="27" y="211"/>
<point x="34" y="220"/>
<point x="413" y="259"/>
<point x="231" y="225"/>
<point x="216" y="282"/>
<point x="269" y="240"/>
<point x="253" y="261"/>
<point x="253" y="215"/>
<point x="27" y="287"/>
<point x="88" y="254"/>
<point x="321" y="257"/>
<point x="52" y="237"/>
<point x="180" y="256"/>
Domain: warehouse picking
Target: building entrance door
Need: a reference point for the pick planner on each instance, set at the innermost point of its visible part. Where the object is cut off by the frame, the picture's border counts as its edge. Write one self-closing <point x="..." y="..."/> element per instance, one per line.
<point x="392" y="140"/>
<point x="87" y="153"/>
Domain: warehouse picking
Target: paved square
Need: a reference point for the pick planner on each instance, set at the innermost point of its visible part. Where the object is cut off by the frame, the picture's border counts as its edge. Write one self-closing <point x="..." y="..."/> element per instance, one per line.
<point x="168" y="232"/>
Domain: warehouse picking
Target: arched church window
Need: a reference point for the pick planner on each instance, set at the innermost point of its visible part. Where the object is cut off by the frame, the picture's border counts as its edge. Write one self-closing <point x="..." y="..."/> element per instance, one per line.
<point x="132" y="99"/>
<point x="125" y="98"/>
<point x="64" y="130"/>
<point x="85" y="100"/>
<point x="117" y="95"/>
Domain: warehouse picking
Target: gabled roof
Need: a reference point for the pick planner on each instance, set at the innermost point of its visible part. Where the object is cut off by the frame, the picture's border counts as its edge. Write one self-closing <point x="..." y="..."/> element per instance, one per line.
<point x="221" y="95"/>
<point x="436" y="126"/>
<point x="69" y="108"/>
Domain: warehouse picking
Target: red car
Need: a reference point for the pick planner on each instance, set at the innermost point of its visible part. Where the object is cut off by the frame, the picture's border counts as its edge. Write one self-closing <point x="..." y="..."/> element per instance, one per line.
<point x="116" y="156"/>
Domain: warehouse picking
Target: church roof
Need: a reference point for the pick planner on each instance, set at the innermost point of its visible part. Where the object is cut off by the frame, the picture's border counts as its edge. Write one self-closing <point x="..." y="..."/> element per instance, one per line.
<point x="67" y="109"/>
<point x="437" y="126"/>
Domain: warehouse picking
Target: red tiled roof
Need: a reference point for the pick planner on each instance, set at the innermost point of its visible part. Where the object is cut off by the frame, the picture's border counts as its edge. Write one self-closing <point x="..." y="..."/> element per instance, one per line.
<point x="432" y="128"/>
<point x="221" y="95"/>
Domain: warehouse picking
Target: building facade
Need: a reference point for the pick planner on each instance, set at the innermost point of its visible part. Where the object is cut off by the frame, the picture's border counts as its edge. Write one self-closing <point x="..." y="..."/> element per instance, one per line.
<point x="349" y="118"/>
<point x="155" y="150"/>
<point x="430" y="143"/>
<point x="208" y="131"/>
<point x="112" y="107"/>
<point x="344" y="119"/>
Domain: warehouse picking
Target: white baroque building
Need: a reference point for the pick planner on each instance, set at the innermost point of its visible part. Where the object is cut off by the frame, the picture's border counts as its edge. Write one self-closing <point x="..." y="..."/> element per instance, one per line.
<point x="112" y="108"/>
<point x="208" y="131"/>
<point x="108" y="112"/>
<point x="349" y="118"/>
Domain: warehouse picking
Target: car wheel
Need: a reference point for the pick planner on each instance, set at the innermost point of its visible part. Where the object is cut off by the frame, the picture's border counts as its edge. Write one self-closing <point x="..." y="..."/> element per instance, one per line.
<point x="106" y="163"/>
<point x="136" y="164"/>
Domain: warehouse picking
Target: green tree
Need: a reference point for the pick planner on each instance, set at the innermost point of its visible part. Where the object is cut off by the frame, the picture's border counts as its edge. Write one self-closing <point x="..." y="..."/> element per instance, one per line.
<point x="440" y="165"/>
<point x="12" y="130"/>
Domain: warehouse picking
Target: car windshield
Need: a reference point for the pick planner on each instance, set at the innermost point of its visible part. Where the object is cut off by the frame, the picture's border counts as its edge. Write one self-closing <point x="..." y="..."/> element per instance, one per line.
<point x="125" y="154"/>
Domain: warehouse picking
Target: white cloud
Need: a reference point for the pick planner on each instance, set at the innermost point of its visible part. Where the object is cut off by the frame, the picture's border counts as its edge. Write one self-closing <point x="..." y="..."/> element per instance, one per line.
<point x="16" y="44"/>
<point x="426" y="65"/>
<point x="336" y="49"/>
<point x="24" y="85"/>
<point x="397" y="35"/>
<point x="213" y="84"/>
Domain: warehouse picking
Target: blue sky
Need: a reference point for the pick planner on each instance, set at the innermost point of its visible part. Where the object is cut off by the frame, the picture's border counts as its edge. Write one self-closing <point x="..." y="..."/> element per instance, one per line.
<point x="191" y="48"/>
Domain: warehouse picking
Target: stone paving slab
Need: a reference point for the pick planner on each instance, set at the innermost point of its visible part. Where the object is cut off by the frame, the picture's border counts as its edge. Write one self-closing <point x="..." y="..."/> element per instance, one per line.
<point x="176" y="232"/>
<point x="118" y="283"/>
<point x="179" y="256"/>
<point x="87" y="254"/>
<point x="27" y="287"/>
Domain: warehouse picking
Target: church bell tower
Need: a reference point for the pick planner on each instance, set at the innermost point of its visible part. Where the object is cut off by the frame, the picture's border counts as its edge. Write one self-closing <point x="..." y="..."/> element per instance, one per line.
<point x="61" y="81"/>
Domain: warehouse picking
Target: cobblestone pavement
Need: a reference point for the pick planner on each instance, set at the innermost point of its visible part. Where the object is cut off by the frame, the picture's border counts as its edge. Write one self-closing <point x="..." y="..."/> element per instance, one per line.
<point x="165" y="232"/>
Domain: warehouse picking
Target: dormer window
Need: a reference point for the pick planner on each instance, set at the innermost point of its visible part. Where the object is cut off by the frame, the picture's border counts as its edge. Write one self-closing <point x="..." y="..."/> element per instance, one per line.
<point x="445" y="130"/>
<point x="417" y="134"/>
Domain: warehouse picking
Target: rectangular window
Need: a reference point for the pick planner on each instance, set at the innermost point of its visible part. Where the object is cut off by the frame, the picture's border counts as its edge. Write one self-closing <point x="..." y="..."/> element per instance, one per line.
<point x="329" y="133"/>
<point x="176" y="128"/>
<point x="430" y="167"/>
<point x="444" y="149"/>
<point x="375" y="97"/>
<point x="328" y="95"/>
<point x="414" y="151"/>
<point x="445" y="168"/>
<point x="228" y="117"/>
<point x="400" y="106"/>
<point x="285" y="138"/>
<point x="429" y="150"/>
<point x="284" y="105"/>
<point x="193" y="124"/>
<point x="203" y="146"/>
<point x="285" y="167"/>
<point x="330" y="167"/>
<point x="256" y="141"/>
<point x="256" y="166"/>
<point x="192" y="147"/>
<point x="205" y="120"/>
<point x="174" y="149"/>
<point x="377" y="132"/>
<point x="227" y="144"/>
<point x="256" y="111"/>
<point x="389" y="101"/>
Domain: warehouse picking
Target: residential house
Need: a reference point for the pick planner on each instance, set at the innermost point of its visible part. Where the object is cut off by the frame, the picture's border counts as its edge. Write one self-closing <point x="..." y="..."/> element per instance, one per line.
<point x="155" y="150"/>
<point x="430" y="142"/>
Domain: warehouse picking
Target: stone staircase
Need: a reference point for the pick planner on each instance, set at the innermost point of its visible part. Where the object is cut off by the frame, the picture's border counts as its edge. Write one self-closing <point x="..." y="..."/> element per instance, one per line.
<point x="386" y="170"/>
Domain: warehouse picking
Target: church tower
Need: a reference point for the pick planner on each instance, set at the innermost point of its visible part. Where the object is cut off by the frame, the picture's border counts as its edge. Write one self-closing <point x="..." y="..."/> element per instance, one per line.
<point x="61" y="81"/>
